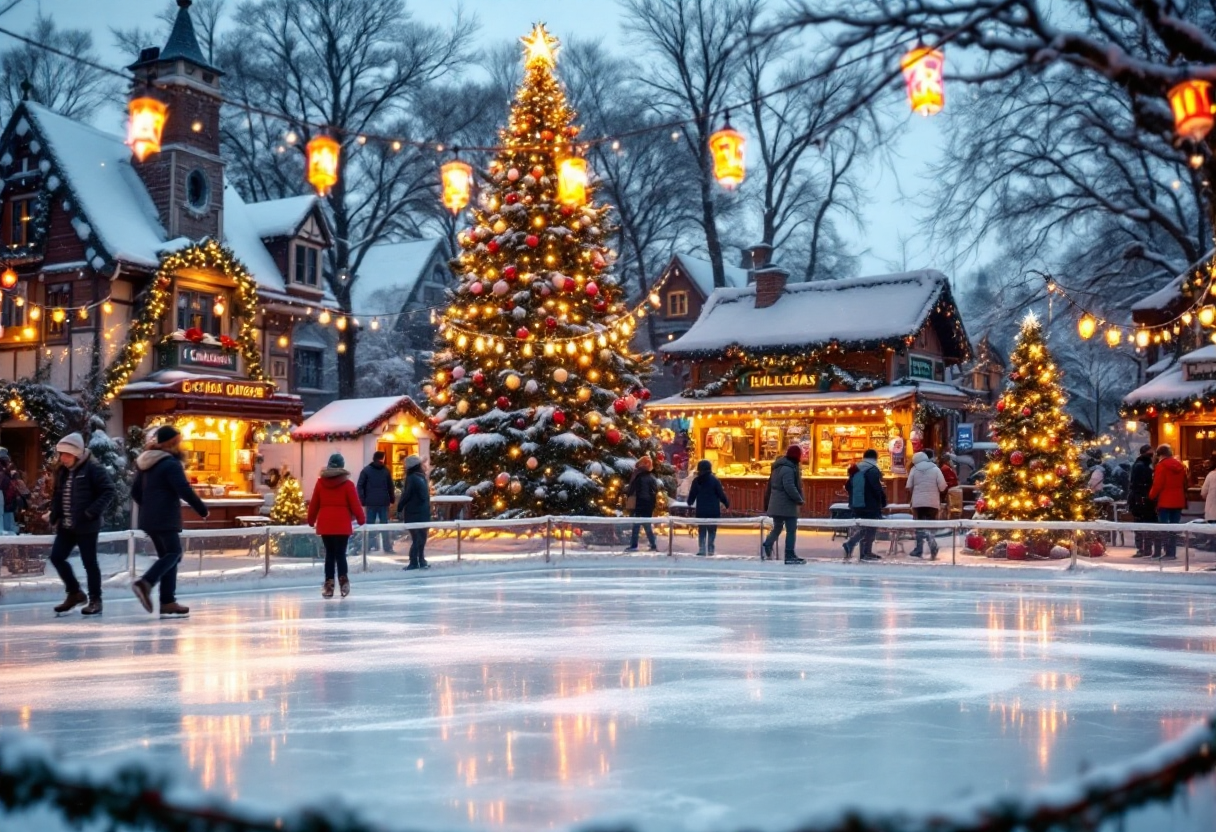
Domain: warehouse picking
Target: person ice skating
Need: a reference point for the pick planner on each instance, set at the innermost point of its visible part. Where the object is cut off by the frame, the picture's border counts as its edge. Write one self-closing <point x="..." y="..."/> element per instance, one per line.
<point x="1097" y="474"/>
<point x="925" y="485"/>
<point x="9" y="493"/>
<point x="1169" y="494"/>
<point x="643" y="487"/>
<point x="376" y="492"/>
<point x="333" y="509"/>
<point x="159" y="489"/>
<point x="83" y="491"/>
<point x="866" y="500"/>
<point x="782" y="497"/>
<point x="707" y="497"/>
<point x="415" y="507"/>
<point x="1140" y="483"/>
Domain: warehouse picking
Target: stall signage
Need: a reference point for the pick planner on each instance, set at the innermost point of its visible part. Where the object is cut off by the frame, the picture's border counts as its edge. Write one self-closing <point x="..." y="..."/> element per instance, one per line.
<point x="227" y="389"/>
<point x="758" y="382"/>
<point x="185" y="354"/>
<point x="1201" y="371"/>
<point x="920" y="367"/>
<point x="964" y="438"/>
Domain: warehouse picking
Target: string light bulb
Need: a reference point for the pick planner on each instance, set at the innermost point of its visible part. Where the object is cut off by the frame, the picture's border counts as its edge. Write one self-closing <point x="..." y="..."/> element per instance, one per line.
<point x="1086" y="327"/>
<point x="324" y="318"/>
<point x="8" y="279"/>
<point x="107" y="307"/>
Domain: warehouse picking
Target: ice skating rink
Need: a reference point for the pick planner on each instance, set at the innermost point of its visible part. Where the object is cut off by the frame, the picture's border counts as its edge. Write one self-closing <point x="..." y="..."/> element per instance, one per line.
<point x="682" y="699"/>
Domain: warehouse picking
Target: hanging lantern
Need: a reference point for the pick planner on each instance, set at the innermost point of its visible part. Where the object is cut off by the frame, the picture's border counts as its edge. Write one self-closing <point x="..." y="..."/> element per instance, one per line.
<point x="145" y="124"/>
<point x="323" y="153"/>
<point x="572" y="181"/>
<point x="1192" y="105"/>
<point x="1086" y="327"/>
<point x="726" y="147"/>
<point x="923" y="68"/>
<point x="457" y="184"/>
<point x="8" y="279"/>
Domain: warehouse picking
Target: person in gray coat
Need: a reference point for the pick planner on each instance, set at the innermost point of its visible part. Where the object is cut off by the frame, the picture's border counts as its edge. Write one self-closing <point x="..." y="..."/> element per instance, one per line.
<point x="925" y="485"/>
<point x="782" y="497"/>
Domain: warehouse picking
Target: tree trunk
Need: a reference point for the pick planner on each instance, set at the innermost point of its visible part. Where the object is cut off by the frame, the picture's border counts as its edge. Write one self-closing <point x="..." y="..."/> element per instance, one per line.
<point x="709" y="221"/>
<point x="346" y="362"/>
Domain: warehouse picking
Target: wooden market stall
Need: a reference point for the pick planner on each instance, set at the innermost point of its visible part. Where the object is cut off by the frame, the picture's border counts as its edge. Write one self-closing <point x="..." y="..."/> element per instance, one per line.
<point x="835" y="366"/>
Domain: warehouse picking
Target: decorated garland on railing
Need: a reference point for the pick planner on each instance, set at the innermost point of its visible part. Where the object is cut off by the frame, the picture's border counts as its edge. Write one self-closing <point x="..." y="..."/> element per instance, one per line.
<point x="134" y="795"/>
<point x="208" y="254"/>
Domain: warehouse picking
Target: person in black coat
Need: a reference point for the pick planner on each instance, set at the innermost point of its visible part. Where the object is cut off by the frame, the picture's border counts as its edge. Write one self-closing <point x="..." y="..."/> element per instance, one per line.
<point x="1141" y="506"/>
<point x="415" y="507"/>
<point x="644" y="489"/>
<point x="83" y="491"/>
<point x="376" y="493"/>
<point x="160" y="487"/>
<point x="867" y="498"/>
<point x="706" y="497"/>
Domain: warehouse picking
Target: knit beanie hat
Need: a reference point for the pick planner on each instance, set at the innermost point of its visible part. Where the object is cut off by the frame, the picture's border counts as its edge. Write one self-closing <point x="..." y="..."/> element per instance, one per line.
<point x="704" y="466"/>
<point x="72" y="444"/>
<point x="794" y="453"/>
<point x="412" y="461"/>
<point x="336" y="461"/>
<point x="166" y="433"/>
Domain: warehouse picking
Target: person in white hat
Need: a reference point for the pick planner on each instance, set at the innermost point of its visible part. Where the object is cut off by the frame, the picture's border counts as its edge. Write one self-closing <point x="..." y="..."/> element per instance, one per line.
<point x="83" y="492"/>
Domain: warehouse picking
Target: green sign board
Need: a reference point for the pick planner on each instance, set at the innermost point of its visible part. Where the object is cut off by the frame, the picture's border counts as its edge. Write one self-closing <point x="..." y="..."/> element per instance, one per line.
<point x="197" y="356"/>
<point x="920" y="367"/>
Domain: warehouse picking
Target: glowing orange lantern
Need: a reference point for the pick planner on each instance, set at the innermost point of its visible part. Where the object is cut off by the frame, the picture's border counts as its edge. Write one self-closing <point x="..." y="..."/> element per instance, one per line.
<point x="145" y="125"/>
<point x="457" y="184"/>
<point x="923" y="68"/>
<point x="572" y="181"/>
<point x="726" y="147"/>
<point x="323" y="152"/>
<point x="8" y="279"/>
<point x="1086" y="327"/>
<point x="1192" y="105"/>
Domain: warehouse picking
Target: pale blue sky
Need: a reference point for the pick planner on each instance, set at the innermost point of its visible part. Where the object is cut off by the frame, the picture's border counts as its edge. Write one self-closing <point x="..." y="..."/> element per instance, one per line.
<point x="887" y="218"/>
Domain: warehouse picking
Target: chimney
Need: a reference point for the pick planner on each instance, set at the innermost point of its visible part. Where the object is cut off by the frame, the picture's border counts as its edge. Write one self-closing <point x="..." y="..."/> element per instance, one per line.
<point x="770" y="284"/>
<point x="756" y="257"/>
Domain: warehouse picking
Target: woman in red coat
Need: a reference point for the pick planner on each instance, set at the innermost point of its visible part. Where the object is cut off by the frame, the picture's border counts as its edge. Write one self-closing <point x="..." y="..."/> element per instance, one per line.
<point x="333" y="507"/>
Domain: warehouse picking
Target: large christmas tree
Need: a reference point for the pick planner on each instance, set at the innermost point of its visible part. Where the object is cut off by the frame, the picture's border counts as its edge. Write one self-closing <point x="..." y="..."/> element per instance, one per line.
<point x="536" y="393"/>
<point x="1036" y="473"/>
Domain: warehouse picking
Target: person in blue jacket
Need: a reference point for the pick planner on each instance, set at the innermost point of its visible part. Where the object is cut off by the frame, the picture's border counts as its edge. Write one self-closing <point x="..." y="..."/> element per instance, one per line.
<point x="706" y="498"/>
<point x="159" y="489"/>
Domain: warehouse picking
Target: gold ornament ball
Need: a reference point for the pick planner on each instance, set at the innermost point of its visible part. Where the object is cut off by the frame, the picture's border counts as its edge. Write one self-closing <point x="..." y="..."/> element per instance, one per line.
<point x="462" y="407"/>
<point x="584" y="394"/>
<point x="560" y="375"/>
<point x="593" y="419"/>
<point x="512" y="382"/>
<point x="500" y="226"/>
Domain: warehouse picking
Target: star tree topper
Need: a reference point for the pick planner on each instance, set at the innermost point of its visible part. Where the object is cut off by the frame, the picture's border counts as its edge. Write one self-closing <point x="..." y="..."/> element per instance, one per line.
<point x="540" y="47"/>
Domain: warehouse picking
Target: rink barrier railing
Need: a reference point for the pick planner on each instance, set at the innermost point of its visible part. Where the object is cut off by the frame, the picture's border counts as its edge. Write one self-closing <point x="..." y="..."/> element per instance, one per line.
<point x="135" y="795"/>
<point x="555" y="532"/>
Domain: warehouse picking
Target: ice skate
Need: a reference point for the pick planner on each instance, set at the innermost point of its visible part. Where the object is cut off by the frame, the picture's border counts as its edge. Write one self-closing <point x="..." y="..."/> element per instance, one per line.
<point x="174" y="610"/>
<point x="93" y="607"/>
<point x="766" y="551"/>
<point x="143" y="591"/>
<point x="343" y="586"/>
<point x="327" y="588"/>
<point x="73" y="600"/>
<point x="794" y="559"/>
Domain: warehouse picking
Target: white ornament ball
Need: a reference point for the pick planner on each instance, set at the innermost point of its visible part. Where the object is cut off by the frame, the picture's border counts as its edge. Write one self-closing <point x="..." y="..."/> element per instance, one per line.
<point x="519" y="312"/>
<point x="531" y="386"/>
<point x="502" y="479"/>
<point x="532" y="463"/>
<point x="529" y="180"/>
<point x="462" y="407"/>
<point x="560" y="375"/>
<point x="516" y="487"/>
<point x="563" y="495"/>
<point x="559" y="282"/>
<point x="1060" y="553"/>
<point x="458" y="373"/>
<point x="513" y="174"/>
<point x="501" y="287"/>
<point x="512" y="381"/>
<point x="595" y="469"/>
<point x="539" y="493"/>
<point x="476" y="287"/>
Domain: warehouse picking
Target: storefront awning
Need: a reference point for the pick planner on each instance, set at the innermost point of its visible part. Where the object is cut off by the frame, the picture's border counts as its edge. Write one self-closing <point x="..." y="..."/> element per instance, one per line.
<point x="837" y="401"/>
<point x="174" y="391"/>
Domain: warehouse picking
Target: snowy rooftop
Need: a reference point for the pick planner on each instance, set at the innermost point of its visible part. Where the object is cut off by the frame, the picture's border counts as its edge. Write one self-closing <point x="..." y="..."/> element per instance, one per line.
<point x="241" y="236"/>
<point x="702" y="273"/>
<point x="878" y="397"/>
<point x="1168" y="387"/>
<point x="354" y="416"/>
<point x="1168" y="294"/>
<point x="279" y="217"/>
<point x="808" y="315"/>
<point x="388" y="274"/>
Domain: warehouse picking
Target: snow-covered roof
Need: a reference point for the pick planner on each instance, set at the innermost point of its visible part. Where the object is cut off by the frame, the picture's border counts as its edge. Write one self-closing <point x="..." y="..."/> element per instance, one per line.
<point x="348" y="418"/>
<point x="1170" y="386"/>
<point x="97" y="166"/>
<point x="388" y="274"/>
<point x="702" y="273"/>
<point x="1169" y="294"/>
<point x="848" y="311"/>
<point x="878" y="397"/>
<point x="279" y="217"/>
<point x="242" y="237"/>
<point x="1200" y="356"/>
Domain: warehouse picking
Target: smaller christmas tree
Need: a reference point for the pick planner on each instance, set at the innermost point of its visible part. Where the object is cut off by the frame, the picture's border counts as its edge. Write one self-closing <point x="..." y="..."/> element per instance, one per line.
<point x="32" y="519"/>
<point x="289" y="508"/>
<point x="1036" y="473"/>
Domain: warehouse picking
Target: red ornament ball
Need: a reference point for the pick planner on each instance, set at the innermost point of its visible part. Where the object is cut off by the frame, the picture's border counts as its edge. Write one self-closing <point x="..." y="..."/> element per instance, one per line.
<point x="522" y="333"/>
<point x="511" y="198"/>
<point x="1016" y="550"/>
<point x="532" y="241"/>
<point x="620" y="406"/>
<point x="1061" y="471"/>
<point x="453" y="445"/>
<point x="644" y="394"/>
<point x="510" y="272"/>
<point x="612" y="435"/>
<point x="1036" y="464"/>
<point x="479" y="377"/>
<point x="546" y="135"/>
<point x="567" y="210"/>
<point x="477" y="288"/>
<point x="538" y="171"/>
<point x="600" y="306"/>
<point x="519" y="423"/>
<point x="1000" y="406"/>
<point x="591" y="289"/>
<point x="474" y="429"/>
<point x="1045" y="502"/>
<point x="503" y="402"/>
<point x="1017" y="458"/>
<point x="551" y="322"/>
<point x="980" y="505"/>
<point x="1026" y="411"/>
<point x="1096" y="549"/>
<point x="559" y="418"/>
<point x="492" y="246"/>
<point x="660" y="456"/>
<point x="976" y="542"/>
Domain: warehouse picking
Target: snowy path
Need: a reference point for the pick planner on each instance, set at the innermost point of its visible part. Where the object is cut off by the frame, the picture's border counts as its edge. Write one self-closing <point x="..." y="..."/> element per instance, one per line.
<point x="688" y="699"/>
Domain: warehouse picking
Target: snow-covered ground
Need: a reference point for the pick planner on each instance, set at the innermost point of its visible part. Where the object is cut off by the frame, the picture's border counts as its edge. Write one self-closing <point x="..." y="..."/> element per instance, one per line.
<point x="690" y="698"/>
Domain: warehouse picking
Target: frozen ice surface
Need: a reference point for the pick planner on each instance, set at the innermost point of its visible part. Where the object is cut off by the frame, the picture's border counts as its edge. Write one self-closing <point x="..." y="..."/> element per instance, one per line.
<point x="681" y="699"/>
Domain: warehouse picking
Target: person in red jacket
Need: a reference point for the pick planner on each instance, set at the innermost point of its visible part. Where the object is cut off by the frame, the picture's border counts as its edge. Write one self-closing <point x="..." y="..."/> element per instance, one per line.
<point x="1169" y="493"/>
<point x="333" y="507"/>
